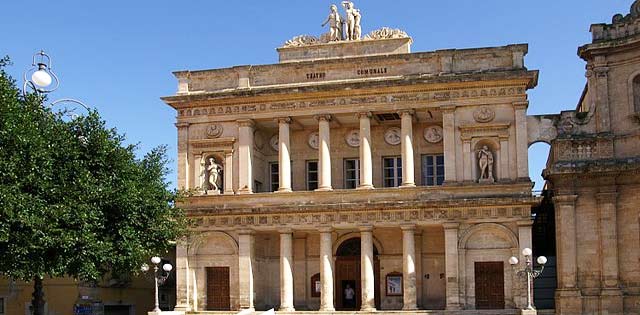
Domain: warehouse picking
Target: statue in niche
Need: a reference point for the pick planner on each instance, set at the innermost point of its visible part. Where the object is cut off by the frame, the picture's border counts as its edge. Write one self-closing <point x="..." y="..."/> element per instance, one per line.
<point x="485" y="161"/>
<point x="213" y="170"/>
<point x="335" y="24"/>
<point x="352" y="21"/>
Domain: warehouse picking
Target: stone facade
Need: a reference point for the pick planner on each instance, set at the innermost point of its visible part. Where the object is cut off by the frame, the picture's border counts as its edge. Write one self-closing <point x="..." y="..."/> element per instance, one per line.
<point x="594" y="172"/>
<point x="279" y="223"/>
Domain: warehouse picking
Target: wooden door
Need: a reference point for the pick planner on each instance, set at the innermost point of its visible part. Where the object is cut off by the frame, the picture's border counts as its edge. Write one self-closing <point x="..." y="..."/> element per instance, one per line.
<point x="489" y="285"/>
<point x="218" y="293"/>
<point x="347" y="272"/>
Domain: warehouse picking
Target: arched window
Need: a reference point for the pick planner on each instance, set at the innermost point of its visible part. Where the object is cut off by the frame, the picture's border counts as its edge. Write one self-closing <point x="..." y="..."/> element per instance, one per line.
<point x="636" y="93"/>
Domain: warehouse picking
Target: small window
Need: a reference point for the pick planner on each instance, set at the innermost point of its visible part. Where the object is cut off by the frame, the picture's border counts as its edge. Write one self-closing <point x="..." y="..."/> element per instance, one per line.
<point x="274" y="176"/>
<point x="392" y="171"/>
<point x="351" y="173"/>
<point x="432" y="170"/>
<point x="316" y="285"/>
<point x="312" y="175"/>
<point x="636" y="93"/>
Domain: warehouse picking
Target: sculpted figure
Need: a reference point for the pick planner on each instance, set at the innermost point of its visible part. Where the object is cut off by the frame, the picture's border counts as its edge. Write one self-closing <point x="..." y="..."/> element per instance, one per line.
<point x="335" y="24"/>
<point x="354" y="32"/>
<point x="214" y="170"/>
<point x="485" y="159"/>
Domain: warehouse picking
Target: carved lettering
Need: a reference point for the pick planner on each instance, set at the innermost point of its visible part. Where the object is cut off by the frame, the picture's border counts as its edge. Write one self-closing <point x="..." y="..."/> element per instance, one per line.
<point x="316" y="76"/>
<point x="372" y="71"/>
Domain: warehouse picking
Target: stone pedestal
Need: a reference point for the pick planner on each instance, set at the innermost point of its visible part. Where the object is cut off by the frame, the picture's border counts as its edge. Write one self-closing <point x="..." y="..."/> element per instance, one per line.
<point x="344" y="49"/>
<point x="528" y="312"/>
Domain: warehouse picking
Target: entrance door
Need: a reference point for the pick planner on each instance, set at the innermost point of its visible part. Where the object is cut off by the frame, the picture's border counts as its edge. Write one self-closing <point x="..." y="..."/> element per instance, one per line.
<point x="218" y="289"/>
<point x="489" y="285"/>
<point x="347" y="276"/>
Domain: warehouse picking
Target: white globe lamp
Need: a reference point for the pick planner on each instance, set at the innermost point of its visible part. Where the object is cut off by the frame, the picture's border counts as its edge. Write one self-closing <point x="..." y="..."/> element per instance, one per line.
<point x="527" y="252"/>
<point x="156" y="260"/>
<point x="41" y="78"/>
<point x="513" y="261"/>
<point x="167" y="267"/>
<point x="542" y="260"/>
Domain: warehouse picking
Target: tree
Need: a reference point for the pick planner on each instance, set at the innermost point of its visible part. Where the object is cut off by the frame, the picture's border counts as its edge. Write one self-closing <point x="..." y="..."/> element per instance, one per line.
<point x="74" y="200"/>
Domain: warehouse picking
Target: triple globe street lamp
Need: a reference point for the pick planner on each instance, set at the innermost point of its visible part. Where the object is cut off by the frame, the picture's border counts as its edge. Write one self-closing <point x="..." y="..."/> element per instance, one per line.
<point x="159" y="278"/>
<point x="529" y="273"/>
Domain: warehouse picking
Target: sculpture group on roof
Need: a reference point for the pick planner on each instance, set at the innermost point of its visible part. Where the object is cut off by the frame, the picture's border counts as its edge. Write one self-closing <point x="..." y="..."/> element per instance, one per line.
<point x="344" y="28"/>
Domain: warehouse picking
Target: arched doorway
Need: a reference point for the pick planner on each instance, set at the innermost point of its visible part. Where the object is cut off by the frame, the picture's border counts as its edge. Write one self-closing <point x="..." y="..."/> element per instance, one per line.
<point x="348" y="276"/>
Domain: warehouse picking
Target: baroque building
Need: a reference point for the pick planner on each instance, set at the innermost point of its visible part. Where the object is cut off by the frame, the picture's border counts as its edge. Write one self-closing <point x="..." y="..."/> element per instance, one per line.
<point x="357" y="175"/>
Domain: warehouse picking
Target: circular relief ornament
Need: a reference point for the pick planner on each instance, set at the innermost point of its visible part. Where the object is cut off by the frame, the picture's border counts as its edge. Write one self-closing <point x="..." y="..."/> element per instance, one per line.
<point x="393" y="136"/>
<point x="314" y="140"/>
<point x="214" y="131"/>
<point x="353" y="138"/>
<point x="274" y="143"/>
<point x="484" y="114"/>
<point x="433" y="134"/>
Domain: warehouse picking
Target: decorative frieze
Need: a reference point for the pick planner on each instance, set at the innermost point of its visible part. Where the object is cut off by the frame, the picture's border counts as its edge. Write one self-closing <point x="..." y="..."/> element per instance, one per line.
<point x="431" y="96"/>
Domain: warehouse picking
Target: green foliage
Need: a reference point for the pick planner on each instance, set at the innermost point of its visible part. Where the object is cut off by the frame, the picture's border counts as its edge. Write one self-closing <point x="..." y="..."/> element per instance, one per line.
<point x="74" y="200"/>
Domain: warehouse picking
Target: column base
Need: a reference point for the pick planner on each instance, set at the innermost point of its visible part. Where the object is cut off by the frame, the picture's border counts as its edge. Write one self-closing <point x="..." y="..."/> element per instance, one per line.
<point x="284" y="190"/>
<point x="568" y="301"/>
<point x="327" y="309"/>
<point x="286" y="309"/>
<point x="230" y="192"/>
<point x="324" y="189"/>
<point x="368" y="309"/>
<point x="408" y="185"/>
<point x="528" y="312"/>
<point x="182" y="308"/>
<point x="410" y="308"/>
<point x="365" y="187"/>
<point x="245" y="192"/>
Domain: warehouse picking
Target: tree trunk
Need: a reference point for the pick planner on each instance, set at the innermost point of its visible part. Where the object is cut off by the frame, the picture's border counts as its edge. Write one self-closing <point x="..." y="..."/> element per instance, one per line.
<point x="38" y="297"/>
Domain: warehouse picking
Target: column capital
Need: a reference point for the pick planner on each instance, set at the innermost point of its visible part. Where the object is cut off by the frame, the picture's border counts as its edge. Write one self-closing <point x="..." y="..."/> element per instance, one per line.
<point x="284" y="120"/>
<point x="448" y="108"/>
<point x="404" y="112"/>
<point x="246" y="123"/>
<point x="364" y="115"/>
<point x="520" y="105"/>
<point x="365" y="228"/>
<point x="565" y="199"/>
<point x="325" y="229"/>
<point x="323" y="117"/>
<point x="522" y="223"/>
<point x="285" y="231"/>
<point x="451" y="226"/>
<point x="607" y="197"/>
<point x="181" y="125"/>
<point x="246" y="232"/>
<point x="408" y="227"/>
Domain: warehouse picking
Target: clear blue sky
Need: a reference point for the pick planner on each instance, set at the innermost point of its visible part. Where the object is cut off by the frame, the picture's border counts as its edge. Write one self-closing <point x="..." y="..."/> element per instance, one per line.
<point x="118" y="55"/>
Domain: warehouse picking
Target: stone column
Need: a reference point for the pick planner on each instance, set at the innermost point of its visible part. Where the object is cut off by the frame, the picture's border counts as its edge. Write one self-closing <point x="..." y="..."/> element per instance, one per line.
<point x="326" y="270"/>
<point x="183" y="155"/>
<point x="522" y="141"/>
<point x="182" y="278"/>
<point x="286" y="271"/>
<point x="449" y="142"/>
<point x="228" y="172"/>
<point x="568" y="296"/>
<point x="611" y="293"/>
<point x="366" y="166"/>
<point x="245" y="152"/>
<point x="324" y="153"/>
<point x="504" y="158"/>
<point x="246" y="243"/>
<point x="366" y="269"/>
<point x="284" y="156"/>
<point x="525" y="240"/>
<point x="468" y="160"/>
<point x="409" y="267"/>
<point x="408" y="169"/>
<point x="600" y="76"/>
<point x="451" y="265"/>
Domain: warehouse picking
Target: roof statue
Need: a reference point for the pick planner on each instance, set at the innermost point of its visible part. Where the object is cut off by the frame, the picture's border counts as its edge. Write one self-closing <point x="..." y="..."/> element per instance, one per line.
<point x="345" y="27"/>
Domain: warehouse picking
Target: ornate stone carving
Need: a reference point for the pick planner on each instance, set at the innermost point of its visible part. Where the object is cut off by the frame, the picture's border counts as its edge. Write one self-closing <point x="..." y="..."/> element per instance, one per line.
<point x="484" y="114"/>
<point x="214" y="131"/>
<point x="274" y="142"/>
<point x="211" y="173"/>
<point x="335" y="24"/>
<point x="393" y="136"/>
<point x="301" y="40"/>
<point x="353" y="138"/>
<point x="314" y="140"/>
<point x="352" y="26"/>
<point x="485" y="161"/>
<point x="386" y="33"/>
<point x="433" y="134"/>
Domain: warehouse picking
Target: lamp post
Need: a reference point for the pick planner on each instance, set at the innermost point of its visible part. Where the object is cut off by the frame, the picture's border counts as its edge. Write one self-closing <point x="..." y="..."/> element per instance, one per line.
<point x="42" y="80"/>
<point x="159" y="279"/>
<point x="530" y="273"/>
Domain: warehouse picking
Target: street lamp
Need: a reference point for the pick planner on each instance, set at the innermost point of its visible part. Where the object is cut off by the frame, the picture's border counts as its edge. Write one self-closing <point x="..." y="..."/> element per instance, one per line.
<point x="159" y="279"/>
<point x="529" y="273"/>
<point x="41" y="79"/>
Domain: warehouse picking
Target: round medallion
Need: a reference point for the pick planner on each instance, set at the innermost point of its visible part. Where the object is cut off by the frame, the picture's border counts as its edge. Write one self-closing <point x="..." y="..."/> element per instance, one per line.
<point x="214" y="131"/>
<point x="393" y="136"/>
<point x="274" y="142"/>
<point x="353" y="138"/>
<point x="433" y="134"/>
<point x="484" y="114"/>
<point x="314" y="140"/>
